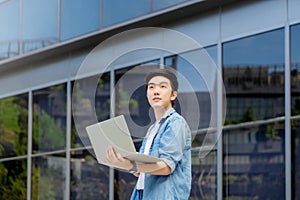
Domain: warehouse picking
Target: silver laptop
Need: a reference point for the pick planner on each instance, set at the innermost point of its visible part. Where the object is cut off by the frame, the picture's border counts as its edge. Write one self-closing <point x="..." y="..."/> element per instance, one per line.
<point x="115" y="132"/>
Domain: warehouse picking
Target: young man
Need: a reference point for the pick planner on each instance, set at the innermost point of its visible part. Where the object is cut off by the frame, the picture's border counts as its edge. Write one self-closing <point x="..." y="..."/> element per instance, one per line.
<point x="169" y="139"/>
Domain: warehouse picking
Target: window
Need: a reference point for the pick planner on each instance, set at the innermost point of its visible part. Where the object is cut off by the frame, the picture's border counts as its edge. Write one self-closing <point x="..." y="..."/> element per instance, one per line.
<point x="13" y="143"/>
<point x="39" y="24"/>
<point x="48" y="177"/>
<point x="131" y="101"/>
<point x="13" y="176"/>
<point x="13" y="126"/>
<point x="49" y="119"/>
<point x="253" y="74"/>
<point x="82" y="97"/>
<point x="9" y="36"/>
<point x="195" y="105"/>
<point x="79" y="17"/>
<point x="115" y="11"/>
<point x="295" y="107"/>
<point x="89" y="179"/>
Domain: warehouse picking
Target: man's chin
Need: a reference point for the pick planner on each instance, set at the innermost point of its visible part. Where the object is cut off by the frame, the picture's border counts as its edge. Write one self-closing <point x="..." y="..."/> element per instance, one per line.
<point x="159" y="107"/>
<point x="156" y="106"/>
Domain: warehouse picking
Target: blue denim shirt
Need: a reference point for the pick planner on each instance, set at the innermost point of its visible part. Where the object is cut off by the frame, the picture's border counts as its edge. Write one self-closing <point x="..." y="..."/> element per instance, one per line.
<point x="172" y="144"/>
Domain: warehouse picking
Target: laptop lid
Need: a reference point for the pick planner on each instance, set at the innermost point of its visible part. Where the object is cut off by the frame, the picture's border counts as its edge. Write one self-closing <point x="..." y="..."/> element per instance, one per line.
<point x="115" y="132"/>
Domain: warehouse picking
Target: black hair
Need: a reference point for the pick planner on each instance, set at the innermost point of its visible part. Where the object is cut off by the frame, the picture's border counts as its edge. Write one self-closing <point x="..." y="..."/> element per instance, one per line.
<point x="167" y="74"/>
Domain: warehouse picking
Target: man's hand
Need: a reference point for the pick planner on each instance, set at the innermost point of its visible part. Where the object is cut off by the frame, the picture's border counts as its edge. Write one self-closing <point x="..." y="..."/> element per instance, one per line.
<point x="114" y="158"/>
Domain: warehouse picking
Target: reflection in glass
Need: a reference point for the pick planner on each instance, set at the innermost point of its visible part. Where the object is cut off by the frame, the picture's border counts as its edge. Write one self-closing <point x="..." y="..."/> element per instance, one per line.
<point x="195" y="88"/>
<point x="295" y="107"/>
<point x="115" y="11"/>
<point x="131" y="101"/>
<point x="13" y="126"/>
<point x="254" y="161"/>
<point x="89" y="179"/>
<point x="204" y="175"/>
<point x="48" y="177"/>
<point x="79" y="17"/>
<point x="39" y="24"/>
<point x="101" y="96"/>
<point x="49" y="119"/>
<point x="254" y="132"/>
<point x="9" y="36"/>
<point x="13" y="179"/>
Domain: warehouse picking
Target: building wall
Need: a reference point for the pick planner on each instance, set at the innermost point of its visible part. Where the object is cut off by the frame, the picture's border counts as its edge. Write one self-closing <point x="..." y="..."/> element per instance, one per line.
<point x="259" y="142"/>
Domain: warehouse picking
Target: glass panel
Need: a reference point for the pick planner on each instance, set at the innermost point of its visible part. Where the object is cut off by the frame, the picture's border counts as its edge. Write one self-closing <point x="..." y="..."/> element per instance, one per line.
<point x="254" y="131"/>
<point x="13" y="126"/>
<point x="39" y="24"/>
<point x="115" y="11"/>
<point x="295" y="107"/>
<point x="102" y="105"/>
<point x="13" y="179"/>
<point x="9" y="36"/>
<point x="48" y="177"/>
<point x="49" y="119"/>
<point x="79" y="17"/>
<point x="204" y="173"/>
<point x="195" y="92"/>
<point x="89" y="179"/>
<point x="131" y="101"/>
<point x="161" y="4"/>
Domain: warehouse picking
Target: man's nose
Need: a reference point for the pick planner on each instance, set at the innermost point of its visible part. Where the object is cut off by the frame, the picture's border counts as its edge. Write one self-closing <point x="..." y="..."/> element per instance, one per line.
<point x="156" y="90"/>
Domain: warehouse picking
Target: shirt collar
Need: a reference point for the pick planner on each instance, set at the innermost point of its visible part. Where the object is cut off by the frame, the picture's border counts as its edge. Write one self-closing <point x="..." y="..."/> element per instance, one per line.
<point x="167" y="114"/>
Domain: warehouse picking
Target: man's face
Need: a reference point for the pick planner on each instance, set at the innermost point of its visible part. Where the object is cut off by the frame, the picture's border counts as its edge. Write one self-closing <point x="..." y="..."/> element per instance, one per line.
<point x="159" y="93"/>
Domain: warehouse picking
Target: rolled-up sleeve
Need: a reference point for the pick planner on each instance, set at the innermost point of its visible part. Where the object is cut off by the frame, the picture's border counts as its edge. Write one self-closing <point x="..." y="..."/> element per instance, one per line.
<point x="173" y="142"/>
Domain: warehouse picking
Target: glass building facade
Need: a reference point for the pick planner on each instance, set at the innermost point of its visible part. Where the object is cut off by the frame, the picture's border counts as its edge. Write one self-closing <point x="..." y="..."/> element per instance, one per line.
<point x="32" y="24"/>
<point x="45" y="154"/>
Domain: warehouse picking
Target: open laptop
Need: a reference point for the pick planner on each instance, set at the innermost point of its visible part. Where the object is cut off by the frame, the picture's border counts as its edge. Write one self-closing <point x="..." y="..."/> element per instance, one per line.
<point x="115" y="132"/>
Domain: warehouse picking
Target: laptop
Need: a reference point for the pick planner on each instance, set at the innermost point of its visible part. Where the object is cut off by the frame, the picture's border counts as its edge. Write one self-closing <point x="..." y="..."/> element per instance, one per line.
<point x="115" y="132"/>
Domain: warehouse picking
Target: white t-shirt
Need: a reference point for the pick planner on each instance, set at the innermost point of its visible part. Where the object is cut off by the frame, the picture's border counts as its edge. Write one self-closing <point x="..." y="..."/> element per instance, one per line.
<point x="150" y="136"/>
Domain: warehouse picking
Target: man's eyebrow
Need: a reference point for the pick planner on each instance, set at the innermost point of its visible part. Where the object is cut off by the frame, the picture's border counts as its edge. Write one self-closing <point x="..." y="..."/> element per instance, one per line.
<point x="151" y="83"/>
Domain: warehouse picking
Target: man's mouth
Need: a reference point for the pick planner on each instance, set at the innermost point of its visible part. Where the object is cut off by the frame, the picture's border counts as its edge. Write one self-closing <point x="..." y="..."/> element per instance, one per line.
<point x="156" y="99"/>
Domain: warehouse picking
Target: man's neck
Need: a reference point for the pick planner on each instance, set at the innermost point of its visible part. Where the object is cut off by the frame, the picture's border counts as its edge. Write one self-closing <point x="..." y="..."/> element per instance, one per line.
<point x="160" y="111"/>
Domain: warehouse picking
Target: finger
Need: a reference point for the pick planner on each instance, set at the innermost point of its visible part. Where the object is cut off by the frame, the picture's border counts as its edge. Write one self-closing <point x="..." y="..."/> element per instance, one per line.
<point x="110" y="157"/>
<point x="119" y="157"/>
<point x="113" y="157"/>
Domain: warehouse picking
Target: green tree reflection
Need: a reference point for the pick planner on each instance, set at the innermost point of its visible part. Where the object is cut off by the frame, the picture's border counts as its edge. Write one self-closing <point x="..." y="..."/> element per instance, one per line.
<point x="13" y="142"/>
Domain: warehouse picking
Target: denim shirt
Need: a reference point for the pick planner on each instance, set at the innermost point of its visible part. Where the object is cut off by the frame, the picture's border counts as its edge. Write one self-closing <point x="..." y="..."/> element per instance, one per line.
<point x="172" y="144"/>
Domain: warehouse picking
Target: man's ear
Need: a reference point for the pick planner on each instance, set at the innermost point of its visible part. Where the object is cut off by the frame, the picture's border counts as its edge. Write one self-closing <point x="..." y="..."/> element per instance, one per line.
<point x="174" y="95"/>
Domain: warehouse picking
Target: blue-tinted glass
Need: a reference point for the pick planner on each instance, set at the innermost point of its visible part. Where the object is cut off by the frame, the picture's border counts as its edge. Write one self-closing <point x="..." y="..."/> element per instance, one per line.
<point x="39" y="25"/>
<point x="116" y="11"/>
<point x="254" y="131"/>
<point x="295" y="47"/>
<point x="10" y="27"/>
<point x="161" y="4"/>
<point x="262" y="49"/>
<point x="254" y="66"/>
<point x="79" y="17"/>
<point x="131" y="100"/>
<point x="195" y="80"/>
<point x="295" y="107"/>
<point x="195" y="89"/>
